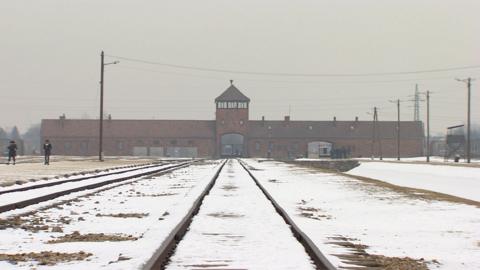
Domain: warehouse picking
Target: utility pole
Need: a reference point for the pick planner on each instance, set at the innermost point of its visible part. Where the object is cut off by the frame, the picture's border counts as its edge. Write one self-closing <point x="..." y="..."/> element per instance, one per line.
<point x="468" y="81"/>
<point x="398" y="127"/>
<point x="416" y="113"/>
<point x="373" y="131"/>
<point x="428" y="126"/>
<point x="100" y="136"/>
<point x="416" y="104"/>
<point x="378" y="135"/>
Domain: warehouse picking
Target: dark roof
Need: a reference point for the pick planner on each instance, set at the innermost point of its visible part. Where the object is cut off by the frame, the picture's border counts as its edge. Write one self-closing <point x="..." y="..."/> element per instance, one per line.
<point x="333" y="130"/>
<point x="232" y="94"/>
<point x="79" y="128"/>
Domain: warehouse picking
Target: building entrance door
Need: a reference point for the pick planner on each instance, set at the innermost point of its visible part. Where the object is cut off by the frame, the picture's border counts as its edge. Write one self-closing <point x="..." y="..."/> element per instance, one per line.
<point x="232" y="145"/>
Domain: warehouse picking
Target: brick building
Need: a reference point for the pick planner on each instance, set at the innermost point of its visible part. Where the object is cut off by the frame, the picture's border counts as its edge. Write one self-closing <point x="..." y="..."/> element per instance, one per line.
<point x="232" y="133"/>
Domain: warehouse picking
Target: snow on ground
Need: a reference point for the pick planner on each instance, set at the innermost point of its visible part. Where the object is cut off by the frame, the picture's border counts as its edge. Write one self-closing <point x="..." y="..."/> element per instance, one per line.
<point x="462" y="182"/>
<point x="13" y="197"/>
<point x="165" y="198"/>
<point x="424" y="159"/>
<point x="238" y="228"/>
<point x="390" y="223"/>
<point x="26" y="171"/>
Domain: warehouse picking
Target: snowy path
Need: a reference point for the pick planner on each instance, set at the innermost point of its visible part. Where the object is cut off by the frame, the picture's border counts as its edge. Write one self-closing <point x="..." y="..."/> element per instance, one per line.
<point x="329" y="207"/>
<point x="160" y="201"/>
<point x="238" y="228"/>
<point x="453" y="180"/>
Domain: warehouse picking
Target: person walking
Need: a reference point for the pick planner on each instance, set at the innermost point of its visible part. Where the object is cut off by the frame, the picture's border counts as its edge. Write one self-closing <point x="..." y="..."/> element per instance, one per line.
<point x="12" y="152"/>
<point x="47" y="150"/>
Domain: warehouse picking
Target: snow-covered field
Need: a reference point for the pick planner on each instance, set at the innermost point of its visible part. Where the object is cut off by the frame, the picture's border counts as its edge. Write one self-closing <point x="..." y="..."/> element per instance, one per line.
<point x="462" y="182"/>
<point x="238" y="228"/>
<point x="433" y="159"/>
<point x="424" y="159"/>
<point x="159" y="202"/>
<point x="332" y="209"/>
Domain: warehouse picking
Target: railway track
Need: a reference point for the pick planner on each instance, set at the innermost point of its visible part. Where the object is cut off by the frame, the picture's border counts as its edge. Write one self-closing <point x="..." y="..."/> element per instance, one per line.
<point x="230" y="226"/>
<point x="103" y="173"/>
<point x="34" y="194"/>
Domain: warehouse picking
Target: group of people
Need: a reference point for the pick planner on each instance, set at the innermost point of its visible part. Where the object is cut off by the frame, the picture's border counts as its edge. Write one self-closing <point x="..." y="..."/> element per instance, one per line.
<point x="12" y="152"/>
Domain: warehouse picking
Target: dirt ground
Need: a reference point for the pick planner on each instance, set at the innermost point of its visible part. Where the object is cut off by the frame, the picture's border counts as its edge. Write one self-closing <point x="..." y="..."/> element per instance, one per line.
<point x="45" y="257"/>
<point x="91" y="237"/>
<point x="360" y="259"/>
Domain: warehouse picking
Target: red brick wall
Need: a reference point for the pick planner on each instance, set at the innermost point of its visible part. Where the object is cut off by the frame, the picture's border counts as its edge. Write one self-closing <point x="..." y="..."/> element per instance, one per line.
<point x="231" y="121"/>
<point x="358" y="147"/>
<point x="205" y="147"/>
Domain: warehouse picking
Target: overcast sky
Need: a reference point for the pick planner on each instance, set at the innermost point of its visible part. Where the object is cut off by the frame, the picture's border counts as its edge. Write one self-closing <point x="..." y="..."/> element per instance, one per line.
<point x="50" y="58"/>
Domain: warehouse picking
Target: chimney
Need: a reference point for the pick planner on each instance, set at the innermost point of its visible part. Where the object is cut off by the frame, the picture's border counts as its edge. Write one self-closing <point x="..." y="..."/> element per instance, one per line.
<point x="62" y="120"/>
<point x="334" y="121"/>
<point x="263" y="121"/>
<point x="286" y="120"/>
<point x="109" y="117"/>
<point x="356" y="118"/>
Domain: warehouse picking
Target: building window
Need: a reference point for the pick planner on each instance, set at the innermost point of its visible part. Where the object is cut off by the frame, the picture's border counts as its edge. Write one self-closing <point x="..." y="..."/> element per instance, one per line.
<point x="242" y="105"/>
<point x="241" y="122"/>
<point x="139" y="142"/>
<point x="190" y="142"/>
<point x="270" y="146"/>
<point x="83" y="146"/>
<point x="310" y="127"/>
<point x="269" y="127"/>
<point x="156" y="142"/>
<point x="67" y="146"/>
<point x="232" y="105"/>
<point x="257" y="146"/>
<point x="173" y="142"/>
<point x="120" y="145"/>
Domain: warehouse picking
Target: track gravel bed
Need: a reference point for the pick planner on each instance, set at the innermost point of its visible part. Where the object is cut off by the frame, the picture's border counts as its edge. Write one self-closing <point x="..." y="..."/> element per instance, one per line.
<point x="120" y="227"/>
<point x="238" y="228"/>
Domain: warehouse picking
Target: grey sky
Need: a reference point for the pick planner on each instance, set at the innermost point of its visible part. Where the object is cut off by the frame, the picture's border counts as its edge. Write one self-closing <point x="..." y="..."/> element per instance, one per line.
<point x="50" y="53"/>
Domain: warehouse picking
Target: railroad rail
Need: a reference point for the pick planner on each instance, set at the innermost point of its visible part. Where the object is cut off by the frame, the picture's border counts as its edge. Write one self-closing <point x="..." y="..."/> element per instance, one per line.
<point x="317" y="256"/>
<point x="68" y="190"/>
<point x="163" y="254"/>
<point x="54" y="183"/>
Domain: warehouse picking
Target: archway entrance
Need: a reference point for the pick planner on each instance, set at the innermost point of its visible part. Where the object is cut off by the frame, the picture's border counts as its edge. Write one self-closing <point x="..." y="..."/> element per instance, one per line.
<point x="231" y="145"/>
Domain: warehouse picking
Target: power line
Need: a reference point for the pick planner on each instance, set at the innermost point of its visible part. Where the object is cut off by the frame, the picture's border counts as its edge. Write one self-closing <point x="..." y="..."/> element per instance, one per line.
<point x="262" y="73"/>
<point x="288" y="82"/>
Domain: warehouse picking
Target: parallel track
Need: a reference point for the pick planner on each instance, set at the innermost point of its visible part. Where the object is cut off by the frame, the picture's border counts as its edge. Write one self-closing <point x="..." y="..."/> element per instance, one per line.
<point x="163" y="254"/>
<point x="54" y="183"/>
<point x="42" y="198"/>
